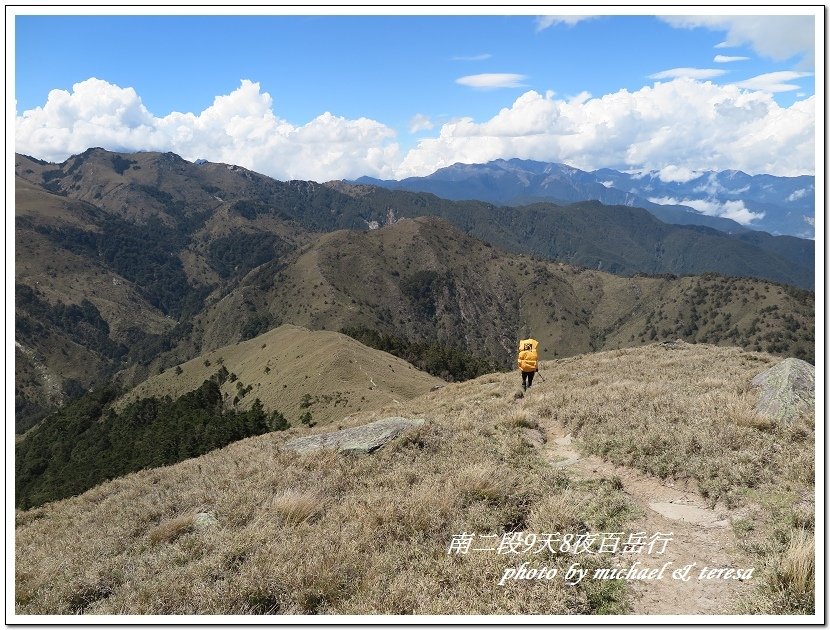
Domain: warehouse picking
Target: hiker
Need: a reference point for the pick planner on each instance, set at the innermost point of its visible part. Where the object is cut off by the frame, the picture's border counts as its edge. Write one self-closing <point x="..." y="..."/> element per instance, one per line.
<point x="528" y="361"/>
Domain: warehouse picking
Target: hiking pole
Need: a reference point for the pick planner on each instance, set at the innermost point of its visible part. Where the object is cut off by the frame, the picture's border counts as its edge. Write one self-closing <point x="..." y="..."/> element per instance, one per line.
<point x="539" y="374"/>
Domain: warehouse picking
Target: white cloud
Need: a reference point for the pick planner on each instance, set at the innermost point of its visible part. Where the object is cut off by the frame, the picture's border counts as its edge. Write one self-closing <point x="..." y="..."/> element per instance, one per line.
<point x="238" y="128"/>
<point x="774" y="81"/>
<point x="691" y="73"/>
<point x="492" y="81"/>
<point x="778" y="37"/>
<point x="727" y="59"/>
<point x="546" y="21"/>
<point x="579" y="98"/>
<point x="735" y="210"/>
<point x="482" y="57"/>
<point x="685" y="123"/>
<point x="809" y="220"/>
<point x="798" y="194"/>
<point x="677" y="174"/>
<point x="420" y="122"/>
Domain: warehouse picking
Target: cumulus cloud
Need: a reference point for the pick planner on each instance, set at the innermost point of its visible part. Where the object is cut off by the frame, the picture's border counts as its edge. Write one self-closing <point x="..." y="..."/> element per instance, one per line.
<point x="546" y="21"/>
<point x="420" y="122"/>
<point x="674" y="127"/>
<point x="492" y="81"/>
<point x="774" y="81"/>
<point x="777" y="37"/>
<point x="691" y="73"/>
<point x="239" y="128"/>
<point x="735" y="210"/>
<point x="798" y="194"/>
<point x="95" y="110"/>
<point x="686" y="123"/>
<point x="728" y="59"/>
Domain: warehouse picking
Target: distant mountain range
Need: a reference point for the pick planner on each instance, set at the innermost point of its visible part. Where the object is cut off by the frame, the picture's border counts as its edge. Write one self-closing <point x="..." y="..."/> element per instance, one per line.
<point x="131" y="264"/>
<point x="782" y="205"/>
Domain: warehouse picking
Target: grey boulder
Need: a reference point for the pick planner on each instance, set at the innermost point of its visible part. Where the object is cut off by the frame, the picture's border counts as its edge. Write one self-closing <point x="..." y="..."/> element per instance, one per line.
<point x="787" y="390"/>
<point x="363" y="439"/>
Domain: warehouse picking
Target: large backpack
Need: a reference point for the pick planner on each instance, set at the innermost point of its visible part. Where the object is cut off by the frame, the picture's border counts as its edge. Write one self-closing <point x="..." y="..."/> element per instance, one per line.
<point x="528" y="355"/>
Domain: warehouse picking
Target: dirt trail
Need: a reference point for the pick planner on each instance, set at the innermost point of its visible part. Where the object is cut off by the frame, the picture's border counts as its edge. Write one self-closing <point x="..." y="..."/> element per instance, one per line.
<point x="700" y="535"/>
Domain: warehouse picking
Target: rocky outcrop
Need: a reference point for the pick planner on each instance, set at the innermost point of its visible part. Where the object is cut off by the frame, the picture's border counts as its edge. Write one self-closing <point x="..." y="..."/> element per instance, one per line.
<point x="363" y="439"/>
<point x="787" y="390"/>
<point x="204" y="519"/>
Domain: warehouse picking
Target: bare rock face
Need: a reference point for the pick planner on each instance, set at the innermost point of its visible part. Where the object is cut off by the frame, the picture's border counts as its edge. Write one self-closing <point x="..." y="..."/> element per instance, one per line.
<point x="787" y="390"/>
<point x="363" y="439"/>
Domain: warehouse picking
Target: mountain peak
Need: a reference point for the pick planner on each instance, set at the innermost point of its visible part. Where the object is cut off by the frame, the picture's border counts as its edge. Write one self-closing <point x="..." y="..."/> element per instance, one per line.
<point x="773" y="204"/>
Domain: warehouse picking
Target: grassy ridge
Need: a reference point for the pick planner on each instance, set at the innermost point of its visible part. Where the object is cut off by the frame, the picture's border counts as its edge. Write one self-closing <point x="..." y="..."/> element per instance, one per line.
<point x="326" y="533"/>
<point x="296" y="371"/>
<point x="422" y="282"/>
<point x="323" y="533"/>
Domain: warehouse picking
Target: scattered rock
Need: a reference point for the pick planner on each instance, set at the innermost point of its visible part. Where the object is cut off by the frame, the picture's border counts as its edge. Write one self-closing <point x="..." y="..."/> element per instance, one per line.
<point x="363" y="439"/>
<point x="518" y="395"/>
<point x="204" y="519"/>
<point x="688" y="514"/>
<point x="435" y="388"/>
<point x="788" y="389"/>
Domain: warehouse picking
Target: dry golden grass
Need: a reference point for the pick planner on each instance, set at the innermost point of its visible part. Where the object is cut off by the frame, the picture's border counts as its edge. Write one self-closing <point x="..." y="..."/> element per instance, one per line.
<point x="293" y="507"/>
<point x="790" y="570"/>
<point x="336" y="375"/>
<point x="682" y="412"/>
<point x="687" y="412"/>
<point x="170" y="530"/>
<point x="484" y="483"/>
<point x="561" y="512"/>
<point x="521" y="418"/>
<point x="797" y="571"/>
<point x="370" y="534"/>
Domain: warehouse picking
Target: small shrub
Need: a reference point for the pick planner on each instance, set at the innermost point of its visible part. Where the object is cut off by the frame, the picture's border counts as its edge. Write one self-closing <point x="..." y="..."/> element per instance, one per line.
<point x="796" y="573"/>
<point x="520" y="419"/>
<point x="169" y="531"/>
<point x="294" y="507"/>
<point x="483" y="483"/>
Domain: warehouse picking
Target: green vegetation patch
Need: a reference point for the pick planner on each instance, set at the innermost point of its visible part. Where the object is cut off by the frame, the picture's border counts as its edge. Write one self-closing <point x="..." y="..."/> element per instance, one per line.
<point x="439" y="359"/>
<point x="85" y="443"/>
<point x="82" y="323"/>
<point x="238" y="253"/>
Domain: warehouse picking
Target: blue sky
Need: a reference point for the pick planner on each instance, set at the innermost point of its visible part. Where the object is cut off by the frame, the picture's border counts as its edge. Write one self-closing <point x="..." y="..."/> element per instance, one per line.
<point x="409" y="94"/>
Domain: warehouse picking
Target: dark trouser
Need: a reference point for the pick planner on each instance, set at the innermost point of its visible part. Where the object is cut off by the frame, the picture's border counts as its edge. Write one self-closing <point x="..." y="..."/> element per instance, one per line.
<point x="527" y="379"/>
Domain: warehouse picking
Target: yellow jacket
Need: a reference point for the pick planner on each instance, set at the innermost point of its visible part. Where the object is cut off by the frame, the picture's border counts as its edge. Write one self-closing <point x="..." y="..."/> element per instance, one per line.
<point x="528" y="356"/>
